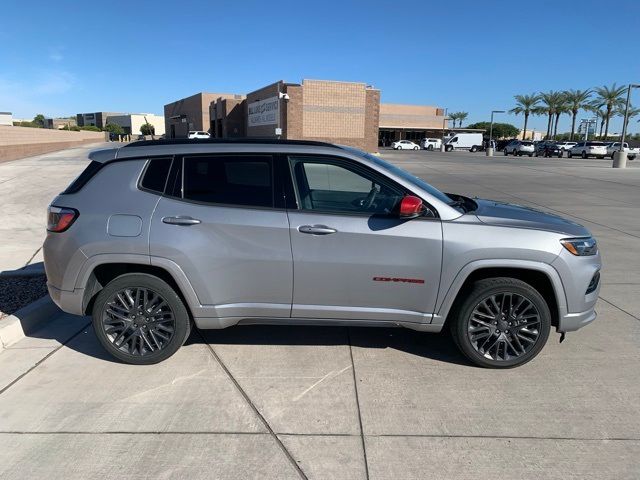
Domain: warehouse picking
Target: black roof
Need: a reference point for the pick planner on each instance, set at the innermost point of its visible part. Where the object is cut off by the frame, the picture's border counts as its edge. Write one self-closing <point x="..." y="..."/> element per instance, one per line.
<point x="252" y="140"/>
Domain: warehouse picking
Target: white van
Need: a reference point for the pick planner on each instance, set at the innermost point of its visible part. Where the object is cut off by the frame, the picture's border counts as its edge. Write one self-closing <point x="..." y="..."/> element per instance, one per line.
<point x="464" y="141"/>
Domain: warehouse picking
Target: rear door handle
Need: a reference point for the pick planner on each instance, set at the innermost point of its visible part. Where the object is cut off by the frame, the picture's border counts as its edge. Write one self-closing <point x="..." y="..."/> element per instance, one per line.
<point x="180" y="220"/>
<point x="316" y="229"/>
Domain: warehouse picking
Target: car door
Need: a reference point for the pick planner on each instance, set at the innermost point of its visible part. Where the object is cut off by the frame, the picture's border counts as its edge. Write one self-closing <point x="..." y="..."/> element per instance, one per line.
<point x="221" y="221"/>
<point x="354" y="257"/>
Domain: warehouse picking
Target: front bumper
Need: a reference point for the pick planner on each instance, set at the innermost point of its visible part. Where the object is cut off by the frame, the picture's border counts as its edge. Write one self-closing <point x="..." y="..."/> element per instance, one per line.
<point x="571" y="322"/>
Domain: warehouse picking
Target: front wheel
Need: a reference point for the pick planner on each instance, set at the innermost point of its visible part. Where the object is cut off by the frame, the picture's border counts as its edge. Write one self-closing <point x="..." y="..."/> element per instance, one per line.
<point x="430" y="147"/>
<point x="505" y="152"/>
<point x="584" y="154"/>
<point x="473" y="149"/>
<point x="501" y="323"/>
<point x="140" y="319"/>
<point x="569" y="154"/>
<point x="415" y="148"/>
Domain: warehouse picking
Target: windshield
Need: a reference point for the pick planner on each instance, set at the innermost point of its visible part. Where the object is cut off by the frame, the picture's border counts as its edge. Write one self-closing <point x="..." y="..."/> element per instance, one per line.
<point x="433" y="191"/>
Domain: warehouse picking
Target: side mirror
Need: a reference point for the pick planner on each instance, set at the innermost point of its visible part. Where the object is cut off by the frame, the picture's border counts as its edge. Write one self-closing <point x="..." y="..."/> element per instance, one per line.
<point x="411" y="207"/>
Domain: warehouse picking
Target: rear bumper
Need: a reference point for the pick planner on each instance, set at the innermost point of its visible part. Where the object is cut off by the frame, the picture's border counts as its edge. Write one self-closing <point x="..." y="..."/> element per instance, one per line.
<point x="68" y="301"/>
<point x="571" y="322"/>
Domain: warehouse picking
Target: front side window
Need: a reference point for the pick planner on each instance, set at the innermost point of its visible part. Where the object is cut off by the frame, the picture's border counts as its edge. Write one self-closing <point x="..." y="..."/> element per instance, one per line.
<point x="330" y="186"/>
<point x="233" y="180"/>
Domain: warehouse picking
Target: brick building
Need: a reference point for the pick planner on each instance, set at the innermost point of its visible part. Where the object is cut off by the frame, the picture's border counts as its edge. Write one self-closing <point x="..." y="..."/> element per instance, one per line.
<point x="347" y="113"/>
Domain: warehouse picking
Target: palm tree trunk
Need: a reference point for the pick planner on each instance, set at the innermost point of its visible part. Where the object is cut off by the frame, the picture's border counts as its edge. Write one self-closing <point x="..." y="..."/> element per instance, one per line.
<point x="524" y="130"/>
<point x="549" y="126"/>
<point x="601" y="127"/>
<point x="555" y="128"/>
<point x="573" y="124"/>
<point x="606" y="127"/>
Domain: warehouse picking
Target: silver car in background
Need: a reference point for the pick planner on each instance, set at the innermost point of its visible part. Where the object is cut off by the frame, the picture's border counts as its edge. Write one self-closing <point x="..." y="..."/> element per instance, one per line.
<point x="519" y="148"/>
<point x="153" y="236"/>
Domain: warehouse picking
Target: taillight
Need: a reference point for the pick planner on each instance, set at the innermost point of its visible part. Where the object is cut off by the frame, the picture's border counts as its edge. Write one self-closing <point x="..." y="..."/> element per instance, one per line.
<point x="60" y="218"/>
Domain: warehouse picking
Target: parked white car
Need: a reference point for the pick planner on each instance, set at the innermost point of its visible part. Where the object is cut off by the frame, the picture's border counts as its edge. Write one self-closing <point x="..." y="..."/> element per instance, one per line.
<point x="613" y="147"/>
<point x="405" y="145"/>
<point x="565" y="146"/>
<point x="199" y="134"/>
<point x="431" y="143"/>
<point x="588" y="149"/>
<point x="519" y="148"/>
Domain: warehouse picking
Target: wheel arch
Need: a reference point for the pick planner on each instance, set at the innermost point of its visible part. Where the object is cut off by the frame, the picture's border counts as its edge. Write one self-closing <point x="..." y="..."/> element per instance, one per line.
<point x="104" y="272"/>
<point x="542" y="277"/>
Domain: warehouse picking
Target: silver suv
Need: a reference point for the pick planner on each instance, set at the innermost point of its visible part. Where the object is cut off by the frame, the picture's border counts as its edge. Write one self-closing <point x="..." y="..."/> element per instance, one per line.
<point x="156" y="235"/>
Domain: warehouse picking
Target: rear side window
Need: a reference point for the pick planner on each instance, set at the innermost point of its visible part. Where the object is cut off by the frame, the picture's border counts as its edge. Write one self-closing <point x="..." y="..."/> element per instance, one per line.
<point x="233" y="180"/>
<point x="83" y="178"/>
<point x="155" y="175"/>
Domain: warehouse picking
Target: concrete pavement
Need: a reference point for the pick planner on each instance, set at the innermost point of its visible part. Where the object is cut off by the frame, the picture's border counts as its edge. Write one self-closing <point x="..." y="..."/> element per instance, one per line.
<point x="27" y="187"/>
<point x="296" y="402"/>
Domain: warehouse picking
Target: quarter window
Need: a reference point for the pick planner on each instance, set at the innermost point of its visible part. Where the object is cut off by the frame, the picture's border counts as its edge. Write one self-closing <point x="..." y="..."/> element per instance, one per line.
<point x="326" y="185"/>
<point x="155" y="175"/>
<point x="234" y="180"/>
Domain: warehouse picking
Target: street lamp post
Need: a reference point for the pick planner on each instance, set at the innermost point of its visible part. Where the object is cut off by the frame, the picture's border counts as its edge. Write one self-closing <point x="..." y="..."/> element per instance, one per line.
<point x="620" y="156"/>
<point x="489" y="149"/>
<point x="444" y="121"/>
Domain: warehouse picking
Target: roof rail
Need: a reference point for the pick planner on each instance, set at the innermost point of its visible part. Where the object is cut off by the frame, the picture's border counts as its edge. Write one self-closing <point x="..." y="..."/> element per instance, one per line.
<point x="251" y="140"/>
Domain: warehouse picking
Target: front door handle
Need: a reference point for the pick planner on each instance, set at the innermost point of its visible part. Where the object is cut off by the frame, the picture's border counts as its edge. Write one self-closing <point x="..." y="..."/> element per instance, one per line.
<point x="316" y="229"/>
<point x="180" y="220"/>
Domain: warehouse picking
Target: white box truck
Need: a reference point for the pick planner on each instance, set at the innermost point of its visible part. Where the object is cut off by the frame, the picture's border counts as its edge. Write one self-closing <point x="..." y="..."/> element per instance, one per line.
<point x="464" y="141"/>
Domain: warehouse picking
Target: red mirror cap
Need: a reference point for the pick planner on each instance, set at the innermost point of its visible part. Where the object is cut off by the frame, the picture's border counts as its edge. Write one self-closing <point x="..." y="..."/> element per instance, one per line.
<point x="410" y="206"/>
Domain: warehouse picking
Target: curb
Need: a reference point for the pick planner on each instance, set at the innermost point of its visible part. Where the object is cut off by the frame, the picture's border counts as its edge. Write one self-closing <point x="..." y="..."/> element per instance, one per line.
<point x="14" y="328"/>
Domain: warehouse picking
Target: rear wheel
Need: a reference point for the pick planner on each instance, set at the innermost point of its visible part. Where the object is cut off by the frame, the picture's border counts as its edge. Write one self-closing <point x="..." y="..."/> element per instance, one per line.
<point x="415" y="148"/>
<point x="430" y="147"/>
<point x="569" y="154"/>
<point x="584" y="154"/>
<point x="140" y="319"/>
<point x="474" y="149"/>
<point x="501" y="323"/>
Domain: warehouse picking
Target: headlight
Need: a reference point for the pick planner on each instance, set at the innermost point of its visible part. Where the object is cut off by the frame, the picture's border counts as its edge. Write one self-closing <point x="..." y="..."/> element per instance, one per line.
<point x="580" y="246"/>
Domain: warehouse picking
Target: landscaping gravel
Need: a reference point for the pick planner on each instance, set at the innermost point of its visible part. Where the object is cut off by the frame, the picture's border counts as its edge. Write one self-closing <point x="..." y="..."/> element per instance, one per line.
<point x="19" y="291"/>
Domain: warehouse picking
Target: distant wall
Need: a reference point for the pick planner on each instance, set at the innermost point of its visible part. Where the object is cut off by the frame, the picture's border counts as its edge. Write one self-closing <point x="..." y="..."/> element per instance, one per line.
<point x="19" y="142"/>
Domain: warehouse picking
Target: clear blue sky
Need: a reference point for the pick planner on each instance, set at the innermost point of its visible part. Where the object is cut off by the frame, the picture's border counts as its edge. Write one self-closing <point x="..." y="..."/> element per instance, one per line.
<point x="65" y="57"/>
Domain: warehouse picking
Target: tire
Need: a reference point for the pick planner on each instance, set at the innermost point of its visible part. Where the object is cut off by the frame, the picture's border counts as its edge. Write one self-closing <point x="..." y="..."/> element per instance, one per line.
<point x="569" y="154"/>
<point x="584" y="154"/>
<point x="415" y="148"/>
<point x="430" y="147"/>
<point x="601" y="157"/>
<point x="473" y="149"/>
<point x="150" y="340"/>
<point x="448" y="148"/>
<point x="505" y="152"/>
<point x="531" y="155"/>
<point x="462" y="316"/>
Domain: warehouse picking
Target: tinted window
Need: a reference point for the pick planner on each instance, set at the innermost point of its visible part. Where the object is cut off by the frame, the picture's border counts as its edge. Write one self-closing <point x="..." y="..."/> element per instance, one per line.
<point x="233" y="180"/>
<point x="155" y="175"/>
<point x="328" y="185"/>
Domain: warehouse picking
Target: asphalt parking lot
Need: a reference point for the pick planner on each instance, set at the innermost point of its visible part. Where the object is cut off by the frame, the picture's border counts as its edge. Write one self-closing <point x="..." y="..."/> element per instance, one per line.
<point x="349" y="403"/>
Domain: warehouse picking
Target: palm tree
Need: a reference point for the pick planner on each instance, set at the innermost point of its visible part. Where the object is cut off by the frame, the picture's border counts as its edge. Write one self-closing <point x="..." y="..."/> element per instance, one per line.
<point x="525" y="104"/>
<point x="453" y="117"/>
<point x="462" y="116"/>
<point x="633" y="112"/>
<point x="550" y="102"/>
<point x="561" y="107"/>
<point x="576" y="99"/>
<point x="610" y="98"/>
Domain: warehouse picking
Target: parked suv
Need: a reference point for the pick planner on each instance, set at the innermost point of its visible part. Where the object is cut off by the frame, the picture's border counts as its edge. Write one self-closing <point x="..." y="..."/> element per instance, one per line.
<point x="588" y="149"/>
<point x="155" y="235"/>
<point x="519" y="148"/>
